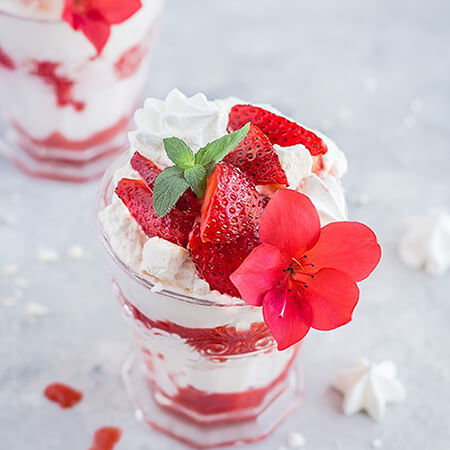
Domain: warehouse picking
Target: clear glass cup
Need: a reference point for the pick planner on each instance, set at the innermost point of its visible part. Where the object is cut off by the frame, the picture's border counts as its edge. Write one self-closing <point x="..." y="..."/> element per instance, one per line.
<point x="65" y="109"/>
<point x="205" y="373"/>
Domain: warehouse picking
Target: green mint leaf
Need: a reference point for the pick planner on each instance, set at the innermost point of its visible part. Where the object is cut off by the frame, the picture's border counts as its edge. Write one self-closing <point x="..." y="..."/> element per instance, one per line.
<point x="179" y="152"/>
<point x="196" y="178"/>
<point x="169" y="186"/>
<point x="218" y="149"/>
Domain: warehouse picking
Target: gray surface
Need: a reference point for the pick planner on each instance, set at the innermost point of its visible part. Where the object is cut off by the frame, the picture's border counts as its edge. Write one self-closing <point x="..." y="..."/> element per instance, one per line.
<point x="310" y="59"/>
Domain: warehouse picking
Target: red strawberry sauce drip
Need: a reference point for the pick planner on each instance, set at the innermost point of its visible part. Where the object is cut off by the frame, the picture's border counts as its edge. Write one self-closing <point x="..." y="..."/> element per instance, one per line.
<point x="60" y="84"/>
<point x="6" y="61"/>
<point x="62" y="394"/>
<point x="106" y="438"/>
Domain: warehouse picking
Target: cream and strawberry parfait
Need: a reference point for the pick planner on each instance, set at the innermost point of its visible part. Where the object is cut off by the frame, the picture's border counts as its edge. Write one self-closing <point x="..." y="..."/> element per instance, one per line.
<point x="72" y="72"/>
<point x="225" y="225"/>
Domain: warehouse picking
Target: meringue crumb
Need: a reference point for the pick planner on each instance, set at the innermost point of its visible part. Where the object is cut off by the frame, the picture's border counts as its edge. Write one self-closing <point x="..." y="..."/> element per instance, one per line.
<point x="21" y="282"/>
<point x="377" y="443"/>
<point x="47" y="255"/>
<point x="76" y="252"/>
<point x="9" y="270"/>
<point x="296" y="440"/>
<point x="34" y="310"/>
<point x="370" y="84"/>
<point x="9" y="302"/>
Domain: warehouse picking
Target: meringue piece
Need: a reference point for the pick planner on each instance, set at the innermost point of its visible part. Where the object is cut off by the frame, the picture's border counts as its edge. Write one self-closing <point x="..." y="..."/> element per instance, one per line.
<point x="369" y="387"/>
<point x="195" y="120"/>
<point x="34" y="310"/>
<point x="296" y="440"/>
<point x="163" y="259"/>
<point x="327" y="195"/>
<point x="76" y="252"/>
<point x="47" y="255"/>
<point x="296" y="161"/>
<point x="9" y="270"/>
<point x="333" y="161"/>
<point x="426" y="244"/>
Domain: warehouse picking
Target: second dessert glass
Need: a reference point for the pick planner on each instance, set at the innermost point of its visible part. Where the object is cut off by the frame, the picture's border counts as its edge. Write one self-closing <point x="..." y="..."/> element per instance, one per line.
<point x="64" y="108"/>
<point x="205" y="373"/>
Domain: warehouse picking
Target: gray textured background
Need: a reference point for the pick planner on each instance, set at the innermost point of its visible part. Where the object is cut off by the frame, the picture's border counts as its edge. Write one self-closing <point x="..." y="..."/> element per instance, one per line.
<point x="312" y="60"/>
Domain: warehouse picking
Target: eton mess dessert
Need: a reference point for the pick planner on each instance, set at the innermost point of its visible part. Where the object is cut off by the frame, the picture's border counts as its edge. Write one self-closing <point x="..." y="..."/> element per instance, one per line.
<point x="228" y="240"/>
<point x="69" y="92"/>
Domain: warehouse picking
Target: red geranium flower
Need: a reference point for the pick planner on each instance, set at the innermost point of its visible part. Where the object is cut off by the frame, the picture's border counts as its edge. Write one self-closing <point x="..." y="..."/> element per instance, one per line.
<point x="95" y="17"/>
<point x="305" y="276"/>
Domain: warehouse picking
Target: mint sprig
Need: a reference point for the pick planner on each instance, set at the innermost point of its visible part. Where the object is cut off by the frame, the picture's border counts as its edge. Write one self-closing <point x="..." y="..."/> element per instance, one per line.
<point x="190" y="170"/>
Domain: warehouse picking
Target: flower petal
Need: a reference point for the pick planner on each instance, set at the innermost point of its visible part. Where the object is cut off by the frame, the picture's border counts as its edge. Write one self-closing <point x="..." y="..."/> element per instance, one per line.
<point x="116" y="11"/>
<point x="287" y="316"/>
<point x="350" y="247"/>
<point x="260" y="272"/>
<point x="290" y="222"/>
<point x="332" y="296"/>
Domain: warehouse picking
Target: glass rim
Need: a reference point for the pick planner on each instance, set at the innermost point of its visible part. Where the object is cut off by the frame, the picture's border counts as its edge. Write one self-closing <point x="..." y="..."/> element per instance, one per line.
<point x="102" y="202"/>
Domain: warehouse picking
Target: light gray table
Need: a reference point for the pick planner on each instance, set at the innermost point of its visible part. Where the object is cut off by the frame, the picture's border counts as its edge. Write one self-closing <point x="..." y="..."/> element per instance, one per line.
<point x="318" y="61"/>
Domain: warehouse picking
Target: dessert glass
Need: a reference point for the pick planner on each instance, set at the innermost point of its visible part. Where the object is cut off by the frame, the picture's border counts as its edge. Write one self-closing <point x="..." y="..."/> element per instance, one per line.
<point x="64" y="108"/>
<point x="195" y="375"/>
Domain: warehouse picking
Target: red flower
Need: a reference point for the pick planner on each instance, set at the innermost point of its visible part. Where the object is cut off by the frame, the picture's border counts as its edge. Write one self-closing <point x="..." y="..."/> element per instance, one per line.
<point x="305" y="276"/>
<point x="95" y="17"/>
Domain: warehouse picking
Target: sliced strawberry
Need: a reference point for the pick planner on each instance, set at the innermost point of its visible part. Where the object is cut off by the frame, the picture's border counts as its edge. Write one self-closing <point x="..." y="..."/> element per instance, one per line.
<point x="216" y="262"/>
<point x="146" y="169"/>
<point x="149" y="171"/>
<point x="231" y="205"/>
<point x="278" y="129"/>
<point x="174" y="226"/>
<point x="257" y="159"/>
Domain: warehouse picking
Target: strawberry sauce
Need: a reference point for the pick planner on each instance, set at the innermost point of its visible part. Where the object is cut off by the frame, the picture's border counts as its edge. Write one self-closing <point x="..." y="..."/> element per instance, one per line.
<point x="62" y="394"/>
<point x="6" y="61"/>
<point x="218" y="342"/>
<point x="130" y="61"/>
<point x="61" y="85"/>
<point x="106" y="438"/>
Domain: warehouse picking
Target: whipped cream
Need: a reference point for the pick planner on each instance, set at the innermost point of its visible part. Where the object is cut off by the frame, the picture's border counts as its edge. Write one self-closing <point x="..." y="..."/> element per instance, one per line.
<point x="198" y="121"/>
<point x="426" y="243"/>
<point x="195" y="120"/>
<point x="369" y="387"/>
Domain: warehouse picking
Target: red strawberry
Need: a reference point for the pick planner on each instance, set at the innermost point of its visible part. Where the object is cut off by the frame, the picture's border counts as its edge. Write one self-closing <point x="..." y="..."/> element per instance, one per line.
<point x="231" y="205"/>
<point x="216" y="262"/>
<point x="278" y="129"/>
<point x="149" y="171"/>
<point x="146" y="169"/>
<point x="174" y="226"/>
<point x="257" y="159"/>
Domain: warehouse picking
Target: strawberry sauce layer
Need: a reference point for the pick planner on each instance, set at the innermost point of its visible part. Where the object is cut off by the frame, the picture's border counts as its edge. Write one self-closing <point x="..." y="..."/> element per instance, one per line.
<point x="62" y="394"/>
<point x="251" y="400"/>
<point x="61" y="85"/>
<point x="57" y="140"/>
<point x="219" y="341"/>
<point x="6" y="61"/>
<point x="130" y="61"/>
<point x="106" y="438"/>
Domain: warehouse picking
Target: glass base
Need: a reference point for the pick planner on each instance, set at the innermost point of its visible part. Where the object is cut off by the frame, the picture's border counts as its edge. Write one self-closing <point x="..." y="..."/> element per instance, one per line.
<point x="209" y="436"/>
<point x="70" y="169"/>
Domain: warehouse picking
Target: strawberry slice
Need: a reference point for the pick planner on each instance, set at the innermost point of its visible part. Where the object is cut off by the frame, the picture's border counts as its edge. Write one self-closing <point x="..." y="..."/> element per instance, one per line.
<point x="278" y="129"/>
<point x="174" y="226"/>
<point x="146" y="169"/>
<point x="257" y="159"/>
<point x="216" y="262"/>
<point x="231" y="206"/>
